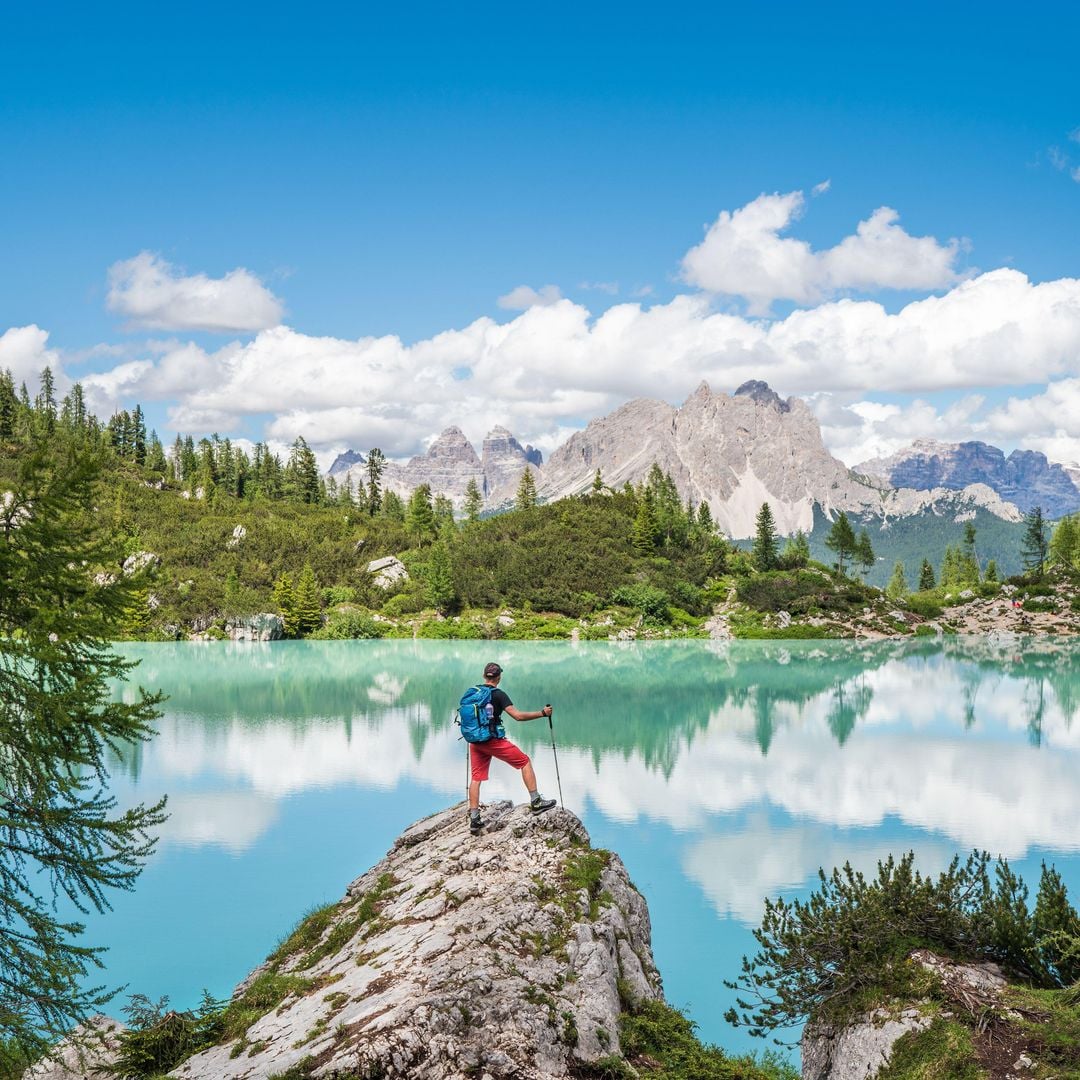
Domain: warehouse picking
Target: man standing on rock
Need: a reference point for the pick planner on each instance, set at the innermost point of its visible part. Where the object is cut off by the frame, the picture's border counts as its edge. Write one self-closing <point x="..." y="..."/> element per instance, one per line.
<point x="480" y="754"/>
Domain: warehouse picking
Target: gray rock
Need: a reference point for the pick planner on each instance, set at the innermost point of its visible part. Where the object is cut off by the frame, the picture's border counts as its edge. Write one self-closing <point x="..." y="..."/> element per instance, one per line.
<point x="265" y="626"/>
<point x="474" y="960"/>
<point x="859" y="1050"/>
<point x="238" y="534"/>
<point x="87" y="1052"/>
<point x="387" y="572"/>
<point x="140" y="561"/>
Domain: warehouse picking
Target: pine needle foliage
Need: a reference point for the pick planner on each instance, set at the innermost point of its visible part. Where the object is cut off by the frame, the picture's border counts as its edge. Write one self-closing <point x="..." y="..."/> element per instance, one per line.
<point x="853" y="935"/>
<point x="62" y="835"/>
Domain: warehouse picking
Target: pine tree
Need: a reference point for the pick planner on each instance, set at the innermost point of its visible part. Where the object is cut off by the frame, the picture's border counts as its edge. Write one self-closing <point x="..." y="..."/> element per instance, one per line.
<point x="796" y="550"/>
<point x="60" y="721"/>
<point x="138" y="436"/>
<point x="9" y="405"/>
<point x="420" y="515"/>
<point x="285" y="602"/>
<point x="307" y="604"/>
<point x="474" y="501"/>
<point x="1065" y="541"/>
<point x="1034" y="544"/>
<point x="526" y="492"/>
<point x="375" y="465"/>
<point x="864" y="552"/>
<point x="45" y="404"/>
<point x="441" y="593"/>
<point x="644" y="533"/>
<point x="597" y="483"/>
<point x="705" y="519"/>
<point x="841" y="540"/>
<point x="991" y="575"/>
<point x="393" y="509"/>
<point x="765" y="540"/>
<point x="302" y="481"/>
<point x="897" y="587"/>
<point x="926" y="576"/>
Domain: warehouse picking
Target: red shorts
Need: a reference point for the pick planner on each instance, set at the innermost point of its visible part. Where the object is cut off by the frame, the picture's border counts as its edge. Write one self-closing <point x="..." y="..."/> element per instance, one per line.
<point x="481" y="753"/>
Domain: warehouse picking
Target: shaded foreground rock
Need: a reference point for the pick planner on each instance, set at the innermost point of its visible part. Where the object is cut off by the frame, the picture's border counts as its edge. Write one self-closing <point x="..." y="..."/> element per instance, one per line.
<point x="86" y="1052"/>
<point x="494" y="956"/>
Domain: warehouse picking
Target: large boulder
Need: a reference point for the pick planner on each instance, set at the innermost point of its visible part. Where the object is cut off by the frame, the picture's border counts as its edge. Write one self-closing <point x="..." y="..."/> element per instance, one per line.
<point x="499" y="955"/>
<point x="387" y="572"/>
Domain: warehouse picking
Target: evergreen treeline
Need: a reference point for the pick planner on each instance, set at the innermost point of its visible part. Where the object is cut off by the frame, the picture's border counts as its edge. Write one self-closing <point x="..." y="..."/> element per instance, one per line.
<point x="236" y="533"/>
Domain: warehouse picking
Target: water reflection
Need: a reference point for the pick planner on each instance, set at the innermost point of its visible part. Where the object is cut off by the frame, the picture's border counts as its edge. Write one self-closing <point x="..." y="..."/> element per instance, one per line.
<point x="723" y="773"/>
<point x="675" y="733"/>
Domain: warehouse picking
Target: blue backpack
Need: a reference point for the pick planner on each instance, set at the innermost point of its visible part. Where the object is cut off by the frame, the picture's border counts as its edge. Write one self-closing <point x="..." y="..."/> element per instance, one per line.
<point x="477" y="723"/>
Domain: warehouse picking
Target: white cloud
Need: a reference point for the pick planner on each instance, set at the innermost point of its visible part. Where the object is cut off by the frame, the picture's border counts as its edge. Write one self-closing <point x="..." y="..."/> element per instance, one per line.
<point x="24" y="352"/>
<point x="525" y="296"/>
<point x="152" y="293"/>
<point x="609" y="287"/>
<point x="1058" y="158"/>
<point x="820" y="189"/>
<point x="552" y="365"/>
<point x="743" y="254"/>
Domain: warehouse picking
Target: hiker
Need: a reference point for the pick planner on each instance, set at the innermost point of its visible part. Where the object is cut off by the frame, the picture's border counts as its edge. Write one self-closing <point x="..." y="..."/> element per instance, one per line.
<point x="481" y="753"/>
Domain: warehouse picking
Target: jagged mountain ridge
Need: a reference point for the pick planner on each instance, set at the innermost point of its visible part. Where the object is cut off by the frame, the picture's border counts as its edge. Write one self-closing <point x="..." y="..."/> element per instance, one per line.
<point x="1025" y="477"/>
<point x="733" y="452"/>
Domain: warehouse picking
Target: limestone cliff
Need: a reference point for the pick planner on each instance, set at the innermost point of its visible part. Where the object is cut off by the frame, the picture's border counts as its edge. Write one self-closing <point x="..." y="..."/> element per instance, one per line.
<point x="1024" y="478"/>
<point x="454" y="956"/>
<point x="732" y="451"/>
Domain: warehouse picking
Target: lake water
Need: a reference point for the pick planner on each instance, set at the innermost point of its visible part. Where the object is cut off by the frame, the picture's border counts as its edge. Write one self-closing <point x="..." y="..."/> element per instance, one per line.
<point x="721" y="773"/>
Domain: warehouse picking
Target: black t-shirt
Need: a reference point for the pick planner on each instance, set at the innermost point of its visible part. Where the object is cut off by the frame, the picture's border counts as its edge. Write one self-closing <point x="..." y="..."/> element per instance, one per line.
<point x="499" y="700"/>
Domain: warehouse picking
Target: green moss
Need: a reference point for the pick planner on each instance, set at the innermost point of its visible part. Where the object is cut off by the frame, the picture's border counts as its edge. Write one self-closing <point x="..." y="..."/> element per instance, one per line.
<point x="944" y="1051"/>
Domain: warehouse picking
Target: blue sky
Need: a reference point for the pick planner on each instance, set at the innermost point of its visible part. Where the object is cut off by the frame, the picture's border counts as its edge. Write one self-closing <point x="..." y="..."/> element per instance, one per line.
<point x="391" y="174"/>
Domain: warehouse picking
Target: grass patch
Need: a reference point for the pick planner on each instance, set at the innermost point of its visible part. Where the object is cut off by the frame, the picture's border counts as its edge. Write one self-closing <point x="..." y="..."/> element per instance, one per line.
<point x="944" y="1051"/>
<point x="664" y="1042"/>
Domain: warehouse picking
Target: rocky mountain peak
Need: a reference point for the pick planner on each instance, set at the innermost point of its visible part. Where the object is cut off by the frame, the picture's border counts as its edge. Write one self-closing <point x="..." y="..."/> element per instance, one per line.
<point x="451" y="446"/>
<point x="343" y="462"/>
<point x="763" y="394"/>
<point x="1025" y="477"/>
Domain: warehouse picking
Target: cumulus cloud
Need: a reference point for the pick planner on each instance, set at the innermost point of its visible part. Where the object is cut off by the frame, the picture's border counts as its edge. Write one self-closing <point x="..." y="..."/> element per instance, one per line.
<point x="525" y="296"/>
<point x="550" y="365"/>
<point x="152" y="293"/>
<point x="24" y="351"/>
<point x="743" y="254"/>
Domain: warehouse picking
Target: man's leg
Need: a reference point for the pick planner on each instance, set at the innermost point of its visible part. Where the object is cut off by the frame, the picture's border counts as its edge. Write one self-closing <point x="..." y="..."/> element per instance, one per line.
<point x="537" y="802"/>
<point x="474" y="795"/>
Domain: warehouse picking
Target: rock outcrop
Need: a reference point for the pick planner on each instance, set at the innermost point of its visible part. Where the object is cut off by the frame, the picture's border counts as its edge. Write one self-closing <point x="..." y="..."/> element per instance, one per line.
<point x="494" y="956"/>
<point x="1003" y="1039"/>
<point x="87" y="1052"/>
<point x="1025" y="478"/>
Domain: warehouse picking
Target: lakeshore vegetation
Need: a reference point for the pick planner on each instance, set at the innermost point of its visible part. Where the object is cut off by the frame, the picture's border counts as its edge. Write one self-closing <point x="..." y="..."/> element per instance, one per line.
<point x="213" y="534"/>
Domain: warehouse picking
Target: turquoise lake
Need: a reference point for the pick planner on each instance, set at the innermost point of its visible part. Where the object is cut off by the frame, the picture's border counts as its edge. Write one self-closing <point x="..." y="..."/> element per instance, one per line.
<point x="722" y="773"/>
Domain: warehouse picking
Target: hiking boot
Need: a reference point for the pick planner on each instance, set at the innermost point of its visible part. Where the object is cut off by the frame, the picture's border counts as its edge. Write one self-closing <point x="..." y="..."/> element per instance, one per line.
<point x="476" y="826"/>
<point x="539" y="805"/>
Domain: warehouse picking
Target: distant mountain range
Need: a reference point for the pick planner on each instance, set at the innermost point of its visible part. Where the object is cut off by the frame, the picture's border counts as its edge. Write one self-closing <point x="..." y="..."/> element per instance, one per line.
<point x="736" y="452"/>
<point x="1024" y="478"/>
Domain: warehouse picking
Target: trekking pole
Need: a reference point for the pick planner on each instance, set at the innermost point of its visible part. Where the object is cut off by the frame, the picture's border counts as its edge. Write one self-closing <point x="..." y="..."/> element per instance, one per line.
<point x="558" y="778"/>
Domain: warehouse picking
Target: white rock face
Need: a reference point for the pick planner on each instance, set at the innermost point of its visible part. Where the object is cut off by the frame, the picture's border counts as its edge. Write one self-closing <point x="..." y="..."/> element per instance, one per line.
<point x="388" y="572"/>
<point x="448" y="466"/>
<point x="473" y="960"/>
<point x="733" y="452"/>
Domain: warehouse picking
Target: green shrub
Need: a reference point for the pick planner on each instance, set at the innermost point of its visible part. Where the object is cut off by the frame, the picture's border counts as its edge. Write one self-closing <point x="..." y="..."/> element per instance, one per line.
<point x="650" y="601"/>
<point x="410" y="601"/>
<point x="342" y="625"/>
<point x="926" y="604"/>
<point x="853" y="935"/>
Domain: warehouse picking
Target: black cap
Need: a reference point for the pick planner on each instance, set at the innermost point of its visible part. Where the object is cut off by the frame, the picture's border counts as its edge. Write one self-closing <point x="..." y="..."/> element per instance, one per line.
<point x="492" y="671"/>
